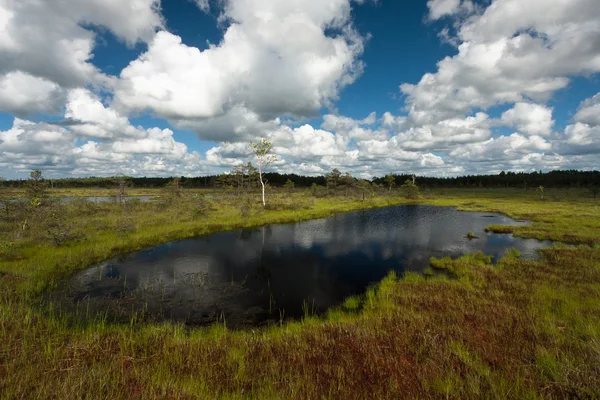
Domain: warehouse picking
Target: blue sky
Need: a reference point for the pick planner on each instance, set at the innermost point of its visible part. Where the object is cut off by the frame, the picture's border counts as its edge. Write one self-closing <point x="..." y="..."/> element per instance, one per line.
<point x="180" y="87"/>
<point x="386" y="23"/>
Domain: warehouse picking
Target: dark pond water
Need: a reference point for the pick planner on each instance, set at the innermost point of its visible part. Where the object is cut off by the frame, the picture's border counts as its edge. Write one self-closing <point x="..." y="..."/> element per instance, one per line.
<point x="250" y="277"/>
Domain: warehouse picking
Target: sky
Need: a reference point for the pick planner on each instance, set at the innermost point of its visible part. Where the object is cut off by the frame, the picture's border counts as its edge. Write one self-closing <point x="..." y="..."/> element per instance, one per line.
<point x="181" y="87"/>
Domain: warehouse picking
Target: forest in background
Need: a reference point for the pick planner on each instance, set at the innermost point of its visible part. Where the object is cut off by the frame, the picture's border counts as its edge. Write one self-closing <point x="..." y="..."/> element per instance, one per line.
<point x="523" y="180"/>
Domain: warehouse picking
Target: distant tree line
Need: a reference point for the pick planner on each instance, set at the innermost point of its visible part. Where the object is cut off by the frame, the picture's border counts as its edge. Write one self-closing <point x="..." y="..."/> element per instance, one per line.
<point x="523" y="180"/>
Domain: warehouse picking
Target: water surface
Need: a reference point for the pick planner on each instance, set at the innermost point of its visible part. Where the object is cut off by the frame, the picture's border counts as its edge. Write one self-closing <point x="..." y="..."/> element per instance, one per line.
<point x="252" y="276"/>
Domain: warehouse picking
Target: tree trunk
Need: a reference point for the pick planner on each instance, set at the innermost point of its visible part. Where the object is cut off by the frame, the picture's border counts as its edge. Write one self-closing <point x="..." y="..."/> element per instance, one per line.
<point x="262" y="183"/>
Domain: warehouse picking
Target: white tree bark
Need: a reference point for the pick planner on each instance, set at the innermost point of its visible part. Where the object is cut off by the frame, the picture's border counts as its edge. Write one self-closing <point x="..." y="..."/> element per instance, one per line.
<point x="263" y="159"/>
<point x="262" y="183"/>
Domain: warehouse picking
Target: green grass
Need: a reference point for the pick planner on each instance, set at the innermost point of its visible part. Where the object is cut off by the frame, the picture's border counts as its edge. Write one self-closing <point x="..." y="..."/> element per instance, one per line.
<point x="521" y="329"/>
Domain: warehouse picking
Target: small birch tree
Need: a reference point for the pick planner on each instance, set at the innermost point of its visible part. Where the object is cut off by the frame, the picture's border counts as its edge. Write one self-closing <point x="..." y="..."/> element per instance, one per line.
<point x="264" y="158"/>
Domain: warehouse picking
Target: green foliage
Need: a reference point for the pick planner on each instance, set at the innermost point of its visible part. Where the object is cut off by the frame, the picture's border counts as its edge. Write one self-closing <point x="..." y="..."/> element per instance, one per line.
<point x="264" y="158"/>
<point x="246" y="205"/>
<point x="460" y="266"/>
<point x="289" y="186"/>
<point x="471" y="235"/>
<point x="390" y="180"/>
<point x="262" y="150"/>
<point x="37" y="188"/>
<point x="200" y="206"/>
<point x="225" y="181"/>
<point x="579" y="182"/>
<point x="174" y="188"/>
<point x="333" y="179"/>
<point x="347" y="182"/>
<point x="364" y="189"/>
<point x="59" y="231"/>
<point x="410" y="190"/>
<point x="244" y="177"/>
<point x="318" y="190"/>
<point x="352" y="303"/>
<point x="441" y="263"/>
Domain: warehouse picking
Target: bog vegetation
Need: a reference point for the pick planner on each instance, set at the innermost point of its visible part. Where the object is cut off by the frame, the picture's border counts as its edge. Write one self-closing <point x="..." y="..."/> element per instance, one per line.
<point x="464" y="329"/>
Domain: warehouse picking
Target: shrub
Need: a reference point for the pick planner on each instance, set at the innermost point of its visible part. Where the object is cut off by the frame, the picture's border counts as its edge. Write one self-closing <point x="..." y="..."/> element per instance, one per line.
<point x="318" y="191"/>
<point x="410" y="190"/>
<point x="60" y="232"/>
<point x="245" y="205"/>
<point x="200" y="206"/>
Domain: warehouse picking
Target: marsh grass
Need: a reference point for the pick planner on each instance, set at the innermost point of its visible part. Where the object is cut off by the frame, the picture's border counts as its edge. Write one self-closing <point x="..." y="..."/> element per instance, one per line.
<point x="471" y="236"/>
<point x="520" y="329"/>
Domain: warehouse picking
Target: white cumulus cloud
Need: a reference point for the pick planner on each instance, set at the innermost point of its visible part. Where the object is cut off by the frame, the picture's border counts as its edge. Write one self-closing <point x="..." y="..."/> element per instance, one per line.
<point x="276" y="58"/>
<point x="530" y="119"/>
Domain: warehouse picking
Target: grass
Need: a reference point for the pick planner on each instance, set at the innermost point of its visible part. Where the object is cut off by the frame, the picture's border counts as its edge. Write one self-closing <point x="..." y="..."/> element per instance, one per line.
<point x="96" y="192"/>
<point x="520" y="329"/>
<point x="471" y="236"/>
